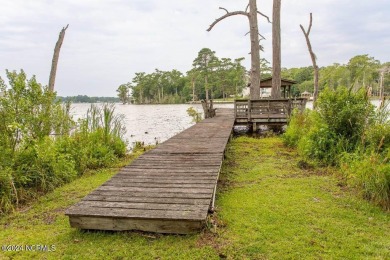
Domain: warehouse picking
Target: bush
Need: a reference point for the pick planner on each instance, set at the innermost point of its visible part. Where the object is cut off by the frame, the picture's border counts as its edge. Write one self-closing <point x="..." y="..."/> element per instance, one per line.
<point x="8" y="197"/>
<point x="298" y="125"/>
<point x="344" y="130"/>
<point x="346" y="113"/>
<point x="38" y="153"/>
<point x="336" y="125"/>
<point x="370" y="174"/>
<point x="320" y="145"/>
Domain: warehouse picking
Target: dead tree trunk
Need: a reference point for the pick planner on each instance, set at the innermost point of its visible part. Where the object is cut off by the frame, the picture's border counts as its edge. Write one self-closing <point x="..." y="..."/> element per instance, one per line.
<point x="313" y="59"/>
<point x="206" y="85"/>
<point x="193" y="88"/>
<point x="381" y="86"/>
<point x="255" y="45"/>
<point x="208" y="109"/>
<point x="276" y="51"/>
<point x="56" y="56"/>
<point x="382" y="71"/>
<point x="255" y="51"/>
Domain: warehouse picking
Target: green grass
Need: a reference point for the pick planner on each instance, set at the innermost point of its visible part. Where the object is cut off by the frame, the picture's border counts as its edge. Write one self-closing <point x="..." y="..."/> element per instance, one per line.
<point x="267" y="208"/>
<point x="274" y="210"/>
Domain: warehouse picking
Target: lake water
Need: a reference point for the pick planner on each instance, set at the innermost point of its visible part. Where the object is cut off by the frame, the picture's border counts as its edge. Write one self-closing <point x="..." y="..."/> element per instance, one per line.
<point x="155" y="123"/>
<point x="150" y="123"/>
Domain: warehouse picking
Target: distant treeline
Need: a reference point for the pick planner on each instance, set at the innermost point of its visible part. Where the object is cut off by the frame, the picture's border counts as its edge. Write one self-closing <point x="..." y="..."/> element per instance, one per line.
<point x="224" y="77"/>
<point x="87" y="99"/>
<point x="361" y="71"/>
<point x="210" y="76"/>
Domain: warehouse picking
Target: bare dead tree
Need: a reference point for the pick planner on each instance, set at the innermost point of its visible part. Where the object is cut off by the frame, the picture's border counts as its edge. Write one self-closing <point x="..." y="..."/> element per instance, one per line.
<point x="251" y="13"/>
<point x="56" y="56"/>
<point x="276" y="51"/>
<point x="382" y="71"/>
<point x="313" y="58"/>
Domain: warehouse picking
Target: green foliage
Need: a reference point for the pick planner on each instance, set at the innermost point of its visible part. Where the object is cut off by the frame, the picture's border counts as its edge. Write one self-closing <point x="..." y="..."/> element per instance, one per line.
<point x="287" y="214"/>
<point x="346" y="131"/>
<point x="221" y="77"/>
<point x="195" y="115"/>
<point x="370" y="174"/>
<point x="346" y="113"/>
<point x="38" y="151"/>
<point x="298" y="126"/>
<point x="123" y="93"/>
<point x="99" y="140"/>
<point x="360" y="72"/>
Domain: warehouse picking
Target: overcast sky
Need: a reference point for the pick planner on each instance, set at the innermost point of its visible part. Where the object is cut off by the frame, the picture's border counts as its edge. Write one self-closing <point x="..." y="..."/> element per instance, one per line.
<point x="108" y="41"/>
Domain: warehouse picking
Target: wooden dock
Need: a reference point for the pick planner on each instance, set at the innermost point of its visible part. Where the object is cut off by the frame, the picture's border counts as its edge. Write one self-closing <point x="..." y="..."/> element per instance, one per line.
<point x="266" y="111"/>
<point x="169" y="189"/>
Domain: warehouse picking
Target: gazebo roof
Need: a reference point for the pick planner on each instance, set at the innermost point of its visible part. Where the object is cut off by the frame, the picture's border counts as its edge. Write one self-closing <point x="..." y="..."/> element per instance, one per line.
<point x="267" y="82"/>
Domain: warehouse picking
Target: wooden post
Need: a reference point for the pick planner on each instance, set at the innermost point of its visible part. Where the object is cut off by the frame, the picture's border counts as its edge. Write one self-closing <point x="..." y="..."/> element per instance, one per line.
<point x="254" y="125"/>
<point x="249" y="110"/>
<point x="235" y="108"/>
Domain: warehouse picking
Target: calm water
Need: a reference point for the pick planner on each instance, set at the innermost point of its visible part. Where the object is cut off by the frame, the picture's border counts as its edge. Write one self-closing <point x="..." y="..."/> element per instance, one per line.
<point x="150" y="123"/>
<point x="155" y="123"/>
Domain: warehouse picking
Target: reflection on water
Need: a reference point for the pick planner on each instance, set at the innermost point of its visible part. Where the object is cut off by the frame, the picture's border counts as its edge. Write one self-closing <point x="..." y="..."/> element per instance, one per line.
<point x="150" y="123"/>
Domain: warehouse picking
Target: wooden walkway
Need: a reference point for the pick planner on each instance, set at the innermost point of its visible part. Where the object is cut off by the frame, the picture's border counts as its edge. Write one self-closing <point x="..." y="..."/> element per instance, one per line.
<point x="167" y="190"/>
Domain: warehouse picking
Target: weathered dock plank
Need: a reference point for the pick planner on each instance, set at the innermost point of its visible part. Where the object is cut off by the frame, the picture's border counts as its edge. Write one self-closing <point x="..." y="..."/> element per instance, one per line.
<point x="167" y="190"/>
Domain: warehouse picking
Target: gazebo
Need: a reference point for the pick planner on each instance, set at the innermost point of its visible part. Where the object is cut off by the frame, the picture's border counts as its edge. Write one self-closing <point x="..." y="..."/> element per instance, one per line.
<point x="306" y="95"/>
<point x="286" y="86"/>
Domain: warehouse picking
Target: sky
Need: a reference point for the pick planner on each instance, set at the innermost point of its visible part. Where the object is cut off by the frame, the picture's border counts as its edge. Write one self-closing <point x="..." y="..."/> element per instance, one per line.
<point x="108" y="41"/>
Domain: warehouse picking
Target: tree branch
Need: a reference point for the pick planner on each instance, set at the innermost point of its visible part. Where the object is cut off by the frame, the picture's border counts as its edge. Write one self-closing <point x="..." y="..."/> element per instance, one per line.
<point x="246" y="9"/>
<point x="262" y="37"/>
<point x="226" y="16"/>
<point x="260" y="13"/>
<point x="303" y="30"/>
<point x="224" y="9"/>
<point x="311" y="23"/>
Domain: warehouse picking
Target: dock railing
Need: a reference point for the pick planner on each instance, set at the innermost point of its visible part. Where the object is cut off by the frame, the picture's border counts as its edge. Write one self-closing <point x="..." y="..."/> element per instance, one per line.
<point x="266" y="110"/>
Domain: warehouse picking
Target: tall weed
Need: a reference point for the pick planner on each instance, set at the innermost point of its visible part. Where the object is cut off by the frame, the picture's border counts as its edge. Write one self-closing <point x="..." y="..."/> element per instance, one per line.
<point x="345" y="130"/>
<point x="41" y="147"/>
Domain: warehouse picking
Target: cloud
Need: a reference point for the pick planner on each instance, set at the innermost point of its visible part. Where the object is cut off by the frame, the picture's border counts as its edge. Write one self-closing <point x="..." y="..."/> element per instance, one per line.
<point x="108" y="41"/>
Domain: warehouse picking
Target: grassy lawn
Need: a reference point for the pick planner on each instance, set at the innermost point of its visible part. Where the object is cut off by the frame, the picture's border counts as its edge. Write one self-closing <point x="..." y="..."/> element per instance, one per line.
<point x="267" y="208"/>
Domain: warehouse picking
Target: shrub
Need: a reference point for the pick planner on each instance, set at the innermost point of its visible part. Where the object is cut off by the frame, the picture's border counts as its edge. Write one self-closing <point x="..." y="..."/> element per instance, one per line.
<point x="8" y="195"/>
<point x="346" y="113"/>
<point x="38" y="153"/>
<point x="195" y="115"/>
<point x="370" y="174"/>
<point x="345" y="130"/>
<point x="298" y="125"/>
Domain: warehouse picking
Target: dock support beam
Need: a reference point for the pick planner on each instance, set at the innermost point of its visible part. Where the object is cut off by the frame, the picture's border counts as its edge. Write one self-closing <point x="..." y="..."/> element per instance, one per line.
<point x="254" y="127"/>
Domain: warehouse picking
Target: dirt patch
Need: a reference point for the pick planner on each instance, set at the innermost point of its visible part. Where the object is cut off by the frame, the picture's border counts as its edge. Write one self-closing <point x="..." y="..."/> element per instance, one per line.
<point x="210" y="235"/>
<point x="49" y="219"/>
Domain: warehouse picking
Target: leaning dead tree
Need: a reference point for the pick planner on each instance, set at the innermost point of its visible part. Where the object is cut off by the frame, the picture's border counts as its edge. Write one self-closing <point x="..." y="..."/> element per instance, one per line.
<point x="56" y="56"/>
<point x="313" y="58"/>
<point x="251" y="13"/>
<point x="276" y="51"/>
